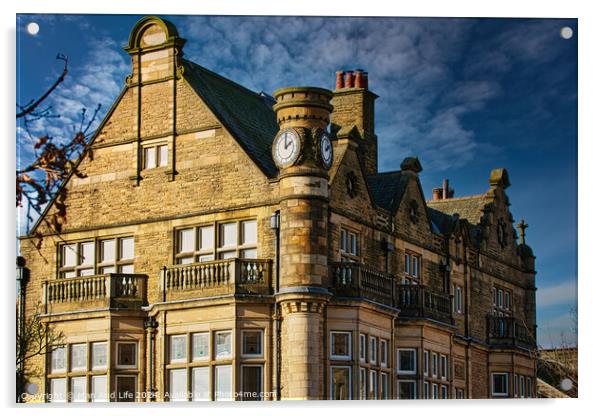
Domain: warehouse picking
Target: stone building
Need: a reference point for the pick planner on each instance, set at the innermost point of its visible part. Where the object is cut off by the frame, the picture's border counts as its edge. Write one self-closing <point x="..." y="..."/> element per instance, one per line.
<point x="225" y="244"/>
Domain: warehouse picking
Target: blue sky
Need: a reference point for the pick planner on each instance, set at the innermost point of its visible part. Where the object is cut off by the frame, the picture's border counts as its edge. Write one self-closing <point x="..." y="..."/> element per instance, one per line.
<point x="464" y="95"/>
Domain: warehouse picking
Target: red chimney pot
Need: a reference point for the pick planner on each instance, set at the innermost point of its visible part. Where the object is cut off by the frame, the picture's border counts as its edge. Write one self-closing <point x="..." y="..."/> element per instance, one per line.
<point x="340" y="82"/>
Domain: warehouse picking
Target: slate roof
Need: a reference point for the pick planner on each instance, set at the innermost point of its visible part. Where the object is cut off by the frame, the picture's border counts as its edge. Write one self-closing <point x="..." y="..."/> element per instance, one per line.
<point x="469" y="207"/>
<point x="387" y="189"/>
<point x="245" y="114"/>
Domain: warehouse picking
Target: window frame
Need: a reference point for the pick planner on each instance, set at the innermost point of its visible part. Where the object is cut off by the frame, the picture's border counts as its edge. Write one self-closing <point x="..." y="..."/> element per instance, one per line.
<point x="217" y="397"/>
<point x="156" y="149"/>
<point x="349" y="379"/>
<point x="458" y="299"/>
<point x="97" y="265"/>
<point x="362" y="348"/>
<point x="384" y="358"/>
<point x="443" y="391"/>
<point x="198" y="253"/>
<point x="135" y="361"/>
<point x="63" y="369"/>
<point x="410" y="382"/>
<point x="84" y="368"/>
<point x="106" y="354"/>
<point x="119" y="376"/>
<point x="434" y="391"/>
<point x="261" y="380"/>
<point x="492" y="378"/>
<point x="346" y="357"/>
<point x="215" y="338"/>
<point x="363" y="384"/>
<point x="434" y="364"/>
<point x="194" y="358"/>
<point x="426" y="390"/>
<point x="173" y="360"/>
<point x="373" y="385"/>
<point x="384" y="386"/>
<point x="373" y="350"/>
<point x="348" y="250"/>
<point x="186" y="391"/>
<point x="426" y="358"/>
<point x="414" y="361"/>
<point x="242" y="343"/>
<point x="443" y="368"/>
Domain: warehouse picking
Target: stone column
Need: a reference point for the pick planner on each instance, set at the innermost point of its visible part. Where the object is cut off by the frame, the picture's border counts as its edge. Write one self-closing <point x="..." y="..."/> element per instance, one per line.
<point x="304" y="197"/>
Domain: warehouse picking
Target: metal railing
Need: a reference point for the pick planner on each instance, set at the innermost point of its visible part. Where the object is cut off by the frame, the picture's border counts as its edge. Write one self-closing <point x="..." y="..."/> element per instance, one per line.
<point x="422" y="301"/>
<point x="357" y="280"/>
<point x="508" y="331"/>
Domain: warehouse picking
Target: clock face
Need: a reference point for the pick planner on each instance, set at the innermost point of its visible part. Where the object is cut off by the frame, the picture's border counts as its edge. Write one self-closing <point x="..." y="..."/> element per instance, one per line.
<point x="287" y="148"/>
<point x="326" y="150"/>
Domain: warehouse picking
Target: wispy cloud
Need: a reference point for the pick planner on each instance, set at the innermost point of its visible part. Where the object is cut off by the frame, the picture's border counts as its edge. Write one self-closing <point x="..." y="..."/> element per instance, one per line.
<point x="564" y="293"/>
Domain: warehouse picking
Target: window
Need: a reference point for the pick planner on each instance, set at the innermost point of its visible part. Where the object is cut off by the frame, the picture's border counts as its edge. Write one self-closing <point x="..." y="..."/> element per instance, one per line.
<point x="78" y="389"/>
<point x="458" y="299"/>
<point x="340" y="345"/>
<point x="529" y="387"/>
<point x="384" y="353"/>
<point x="57" y="360"/>
<point x="499" y="384"/>
<point x="235" y="239"/>
<point x="200" y="383"/>
<point x="384" y="386"/>
<point x="99" y="355"/>
<point x="362" y="348"/>
<point x="515" y="385"/>
<point x="79" y="357"/>
<point x="459" y="393"/>
<point x="494" y="296"/>
<point x="252" y="343"/>
<point x="406" y="389"/>
<point x="340" y="383"/>
<point x="363" y="390"/>
<point x="200" y="346"/>
<point x="443" y="391"/>
<point x="349" y="245"/>
<point x="126" y="355"/>
<point x="252" y="389"/>
<point x="155" y="156"/>
<point x="435" y="364"/>
<point x="58" y="390"/>
<point x="223" y="382"/>
<point x="435" y="388"/>
<point x="98" y="390"/>
<point x="178" y="390"/>
<point x="425" y="390"/>
<point x="407" y="264"/>
<point x="372" y="385"/>
<point x="443" y="367"/>
<point x="372" y="350"/>
<point x="115" y="255"/>
<point x="126" y="388"/>
<point x="177" y="348"/>
<point x="415" y="266"/>
<point x="412" y="267"/>
<point x="522" y="387"/>
<point x="500" y="298"/>
<point x="406" y="361"/>
<point x="425" y="362"/>
<point x="506" y="300"/>
<point x="120" y="259"/>
<point x="223" y="345"/>
<point x="77" y="259"/>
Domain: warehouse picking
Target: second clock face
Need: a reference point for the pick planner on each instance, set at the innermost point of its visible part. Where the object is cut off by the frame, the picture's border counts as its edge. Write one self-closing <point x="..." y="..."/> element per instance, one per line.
<point x="287" y="148"/>
<point x="326" y="150"/>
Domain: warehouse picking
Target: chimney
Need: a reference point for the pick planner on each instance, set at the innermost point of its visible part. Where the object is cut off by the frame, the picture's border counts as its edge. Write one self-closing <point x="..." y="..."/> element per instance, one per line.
<point x="354" y="108"/>
<point x="437" y="194"/>
<point x="349" y="79"/>
<point x="339" y="82"/>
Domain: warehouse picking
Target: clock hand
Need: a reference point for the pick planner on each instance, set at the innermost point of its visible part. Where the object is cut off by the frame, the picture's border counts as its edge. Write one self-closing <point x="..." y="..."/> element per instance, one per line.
<point x="286" y="143"/>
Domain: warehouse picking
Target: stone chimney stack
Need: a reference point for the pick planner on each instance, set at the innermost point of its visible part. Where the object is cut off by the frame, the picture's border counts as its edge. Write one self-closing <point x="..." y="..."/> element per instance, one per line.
<point x="354" y="106"/>
<point x="445" y="192"/>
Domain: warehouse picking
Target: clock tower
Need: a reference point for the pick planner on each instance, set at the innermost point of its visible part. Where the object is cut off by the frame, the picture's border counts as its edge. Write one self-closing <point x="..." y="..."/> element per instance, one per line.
<point x="303" y="153"/>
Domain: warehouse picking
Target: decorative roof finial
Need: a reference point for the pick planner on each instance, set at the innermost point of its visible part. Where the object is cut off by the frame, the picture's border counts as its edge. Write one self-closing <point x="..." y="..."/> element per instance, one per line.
<point x="522" y="226"/>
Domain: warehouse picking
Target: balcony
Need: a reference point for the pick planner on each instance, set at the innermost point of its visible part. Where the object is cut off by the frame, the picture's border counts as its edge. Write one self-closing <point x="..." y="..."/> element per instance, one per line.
<point x="418" y="301"/>
<point x="357" y="280"/>
<point x="505" y="332"/>
<point x="216" y="278"/>
<point x="113" y="290"/>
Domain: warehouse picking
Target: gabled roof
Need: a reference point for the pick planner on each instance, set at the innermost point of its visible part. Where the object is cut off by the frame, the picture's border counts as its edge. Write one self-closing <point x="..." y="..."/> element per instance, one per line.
<point x="244" y="113"/>
<point x="470" y="208"/>
<point x="387" y="189"/>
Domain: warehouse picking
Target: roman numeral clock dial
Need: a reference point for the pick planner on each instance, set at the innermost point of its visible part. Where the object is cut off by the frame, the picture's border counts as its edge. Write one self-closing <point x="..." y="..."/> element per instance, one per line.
<point x="286" y="148"/>
<point x="326" y="150"/>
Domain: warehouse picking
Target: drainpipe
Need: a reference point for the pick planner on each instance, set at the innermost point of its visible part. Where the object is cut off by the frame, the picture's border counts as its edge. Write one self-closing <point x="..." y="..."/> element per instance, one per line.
<point x="275" y="226"/>
<point x="151" y="325"/>
<point x="22" y="278"/>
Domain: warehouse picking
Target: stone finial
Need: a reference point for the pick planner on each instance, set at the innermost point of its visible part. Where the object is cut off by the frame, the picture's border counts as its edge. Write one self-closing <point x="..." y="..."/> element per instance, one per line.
<point x="411" y="164"/>
<point x="522" y="226"/>
<point x="499" y="178"/>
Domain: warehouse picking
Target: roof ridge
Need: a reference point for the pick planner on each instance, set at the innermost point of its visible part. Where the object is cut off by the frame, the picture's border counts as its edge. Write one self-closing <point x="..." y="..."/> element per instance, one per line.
<point x="459" y="198"/>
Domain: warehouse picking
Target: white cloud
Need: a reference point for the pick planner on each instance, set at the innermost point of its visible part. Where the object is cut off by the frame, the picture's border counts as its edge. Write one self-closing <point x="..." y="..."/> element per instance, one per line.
<point x="557" y="332"/>
<point x="562" y="294"/>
